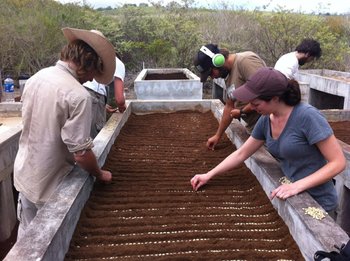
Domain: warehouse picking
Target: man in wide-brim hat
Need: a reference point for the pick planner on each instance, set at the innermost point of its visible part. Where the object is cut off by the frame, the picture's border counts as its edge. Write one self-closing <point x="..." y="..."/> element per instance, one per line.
<point x="56" y="117"/>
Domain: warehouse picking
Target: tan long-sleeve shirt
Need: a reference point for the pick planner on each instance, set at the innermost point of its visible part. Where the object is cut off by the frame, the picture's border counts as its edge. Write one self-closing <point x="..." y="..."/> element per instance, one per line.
<point x="56" y="116"/>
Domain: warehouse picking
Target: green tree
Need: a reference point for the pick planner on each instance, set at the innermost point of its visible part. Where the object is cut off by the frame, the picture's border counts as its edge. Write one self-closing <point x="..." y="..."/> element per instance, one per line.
<point x="164" y="36"/>
<point x="280" y="32"/>
<point x="156" y="37"/>
<point x="33" y="38"/>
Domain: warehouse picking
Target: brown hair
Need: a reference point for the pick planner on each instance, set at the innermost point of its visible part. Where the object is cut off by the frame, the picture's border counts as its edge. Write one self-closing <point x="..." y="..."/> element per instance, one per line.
<point x="224" y="52"/>
<point x="292" y="96"/>
<point x="83" y="56"/>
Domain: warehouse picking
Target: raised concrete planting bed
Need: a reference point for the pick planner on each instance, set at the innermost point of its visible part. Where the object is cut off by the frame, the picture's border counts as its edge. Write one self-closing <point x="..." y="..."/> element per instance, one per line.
<point x="150" y="211"/>
<point x="168" y="84"/>
<point x="328" y="89"/>
<point x="48" y="236"/>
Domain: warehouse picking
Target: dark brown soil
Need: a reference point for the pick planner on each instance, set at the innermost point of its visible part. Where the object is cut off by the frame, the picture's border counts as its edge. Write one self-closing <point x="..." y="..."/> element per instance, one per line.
<point x="341" y="130"/>
<point x="150" y="211"/>
<point x="166" y="76"/>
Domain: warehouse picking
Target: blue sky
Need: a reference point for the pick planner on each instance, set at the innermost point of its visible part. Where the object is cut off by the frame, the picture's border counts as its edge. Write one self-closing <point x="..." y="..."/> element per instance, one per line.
<point x="308" y="6"/>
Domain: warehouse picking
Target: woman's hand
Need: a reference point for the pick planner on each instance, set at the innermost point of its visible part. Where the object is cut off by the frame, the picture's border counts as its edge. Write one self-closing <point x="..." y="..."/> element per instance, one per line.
<point x="285" y="191"/>
<point x="199" y="180"/>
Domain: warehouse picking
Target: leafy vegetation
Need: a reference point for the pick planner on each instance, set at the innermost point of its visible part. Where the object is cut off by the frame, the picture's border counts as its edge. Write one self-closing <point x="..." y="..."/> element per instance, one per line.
<point x="158" y="36"/>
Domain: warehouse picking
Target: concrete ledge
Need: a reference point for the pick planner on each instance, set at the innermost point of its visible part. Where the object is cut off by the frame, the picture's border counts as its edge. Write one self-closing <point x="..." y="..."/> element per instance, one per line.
<point x="336" y="115"/>
<point x="49" y="234"/>
<point x="10" y="109"/>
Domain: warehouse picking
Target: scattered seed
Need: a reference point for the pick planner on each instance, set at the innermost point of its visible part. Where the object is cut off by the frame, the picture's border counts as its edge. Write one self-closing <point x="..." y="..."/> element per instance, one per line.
<point x="316" y="213"/>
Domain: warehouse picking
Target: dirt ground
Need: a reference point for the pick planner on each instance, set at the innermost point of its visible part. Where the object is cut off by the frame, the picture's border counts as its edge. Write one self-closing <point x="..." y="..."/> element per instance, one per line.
<point x="166" y="76"/>
<point x="341" y="130"/>
<point x="151" y="212"/>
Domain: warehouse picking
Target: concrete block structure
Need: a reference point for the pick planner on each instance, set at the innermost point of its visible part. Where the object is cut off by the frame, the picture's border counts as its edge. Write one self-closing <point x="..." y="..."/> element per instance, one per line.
<point x="219" y="89"/>
<point x="49" y="234"/>
<point x="328" y="89"/>
<point x="168" y="84"/>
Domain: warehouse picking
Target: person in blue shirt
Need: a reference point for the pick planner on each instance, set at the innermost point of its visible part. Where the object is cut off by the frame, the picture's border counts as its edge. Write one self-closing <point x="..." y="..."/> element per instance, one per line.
<point x="295" y="133"/>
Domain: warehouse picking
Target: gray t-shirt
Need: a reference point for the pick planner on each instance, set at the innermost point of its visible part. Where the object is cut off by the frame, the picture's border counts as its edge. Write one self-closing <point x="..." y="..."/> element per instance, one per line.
<point x="296" y="148"/>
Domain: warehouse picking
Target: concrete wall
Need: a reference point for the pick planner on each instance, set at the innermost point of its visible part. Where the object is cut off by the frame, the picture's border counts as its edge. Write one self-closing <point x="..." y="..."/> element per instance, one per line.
<point x="10" y="109"/>
<point x="183" y="89"/>
<point x="329" y="89"/>
<point x="8" y="151"/>
<point x="219" y="89"/>
<point x="49" y="234"/>
<point x="10" y="130"/>
<point x="305" y="91"/>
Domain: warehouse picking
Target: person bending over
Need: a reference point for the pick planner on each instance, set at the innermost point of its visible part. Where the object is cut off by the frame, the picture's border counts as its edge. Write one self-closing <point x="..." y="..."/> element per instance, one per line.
<point x="295" y="133"/>
<point x="56" y="116"/>
<point x="235" y="68"/>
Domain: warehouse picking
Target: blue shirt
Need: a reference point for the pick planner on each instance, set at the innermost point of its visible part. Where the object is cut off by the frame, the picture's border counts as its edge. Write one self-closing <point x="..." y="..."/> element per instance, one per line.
<point x="296" y="148"/>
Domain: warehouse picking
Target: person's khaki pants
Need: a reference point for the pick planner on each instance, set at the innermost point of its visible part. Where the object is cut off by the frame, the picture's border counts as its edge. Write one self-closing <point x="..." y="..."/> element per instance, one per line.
<point x="26" y="211"/>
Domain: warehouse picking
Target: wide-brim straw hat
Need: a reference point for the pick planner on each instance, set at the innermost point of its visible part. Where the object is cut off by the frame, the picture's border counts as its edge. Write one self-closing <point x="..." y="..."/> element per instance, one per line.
<point x="102" y="47"/>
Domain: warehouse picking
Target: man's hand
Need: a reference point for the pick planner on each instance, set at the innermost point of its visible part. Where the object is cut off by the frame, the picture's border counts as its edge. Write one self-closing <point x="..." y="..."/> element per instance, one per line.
<point x="235" y="113"/>
<point x="212" y="141"/>
<point x="105" y="176"/>
<point x="122" y="107"/>
<point x="110" y="109"/>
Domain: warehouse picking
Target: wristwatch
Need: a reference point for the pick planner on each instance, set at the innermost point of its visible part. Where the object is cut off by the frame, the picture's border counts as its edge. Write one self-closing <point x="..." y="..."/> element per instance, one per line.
<point x="242" y="113"/>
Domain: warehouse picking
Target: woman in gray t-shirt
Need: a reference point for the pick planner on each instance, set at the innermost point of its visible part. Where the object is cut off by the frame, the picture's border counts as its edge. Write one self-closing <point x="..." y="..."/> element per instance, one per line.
<point x="296" y="134"/>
